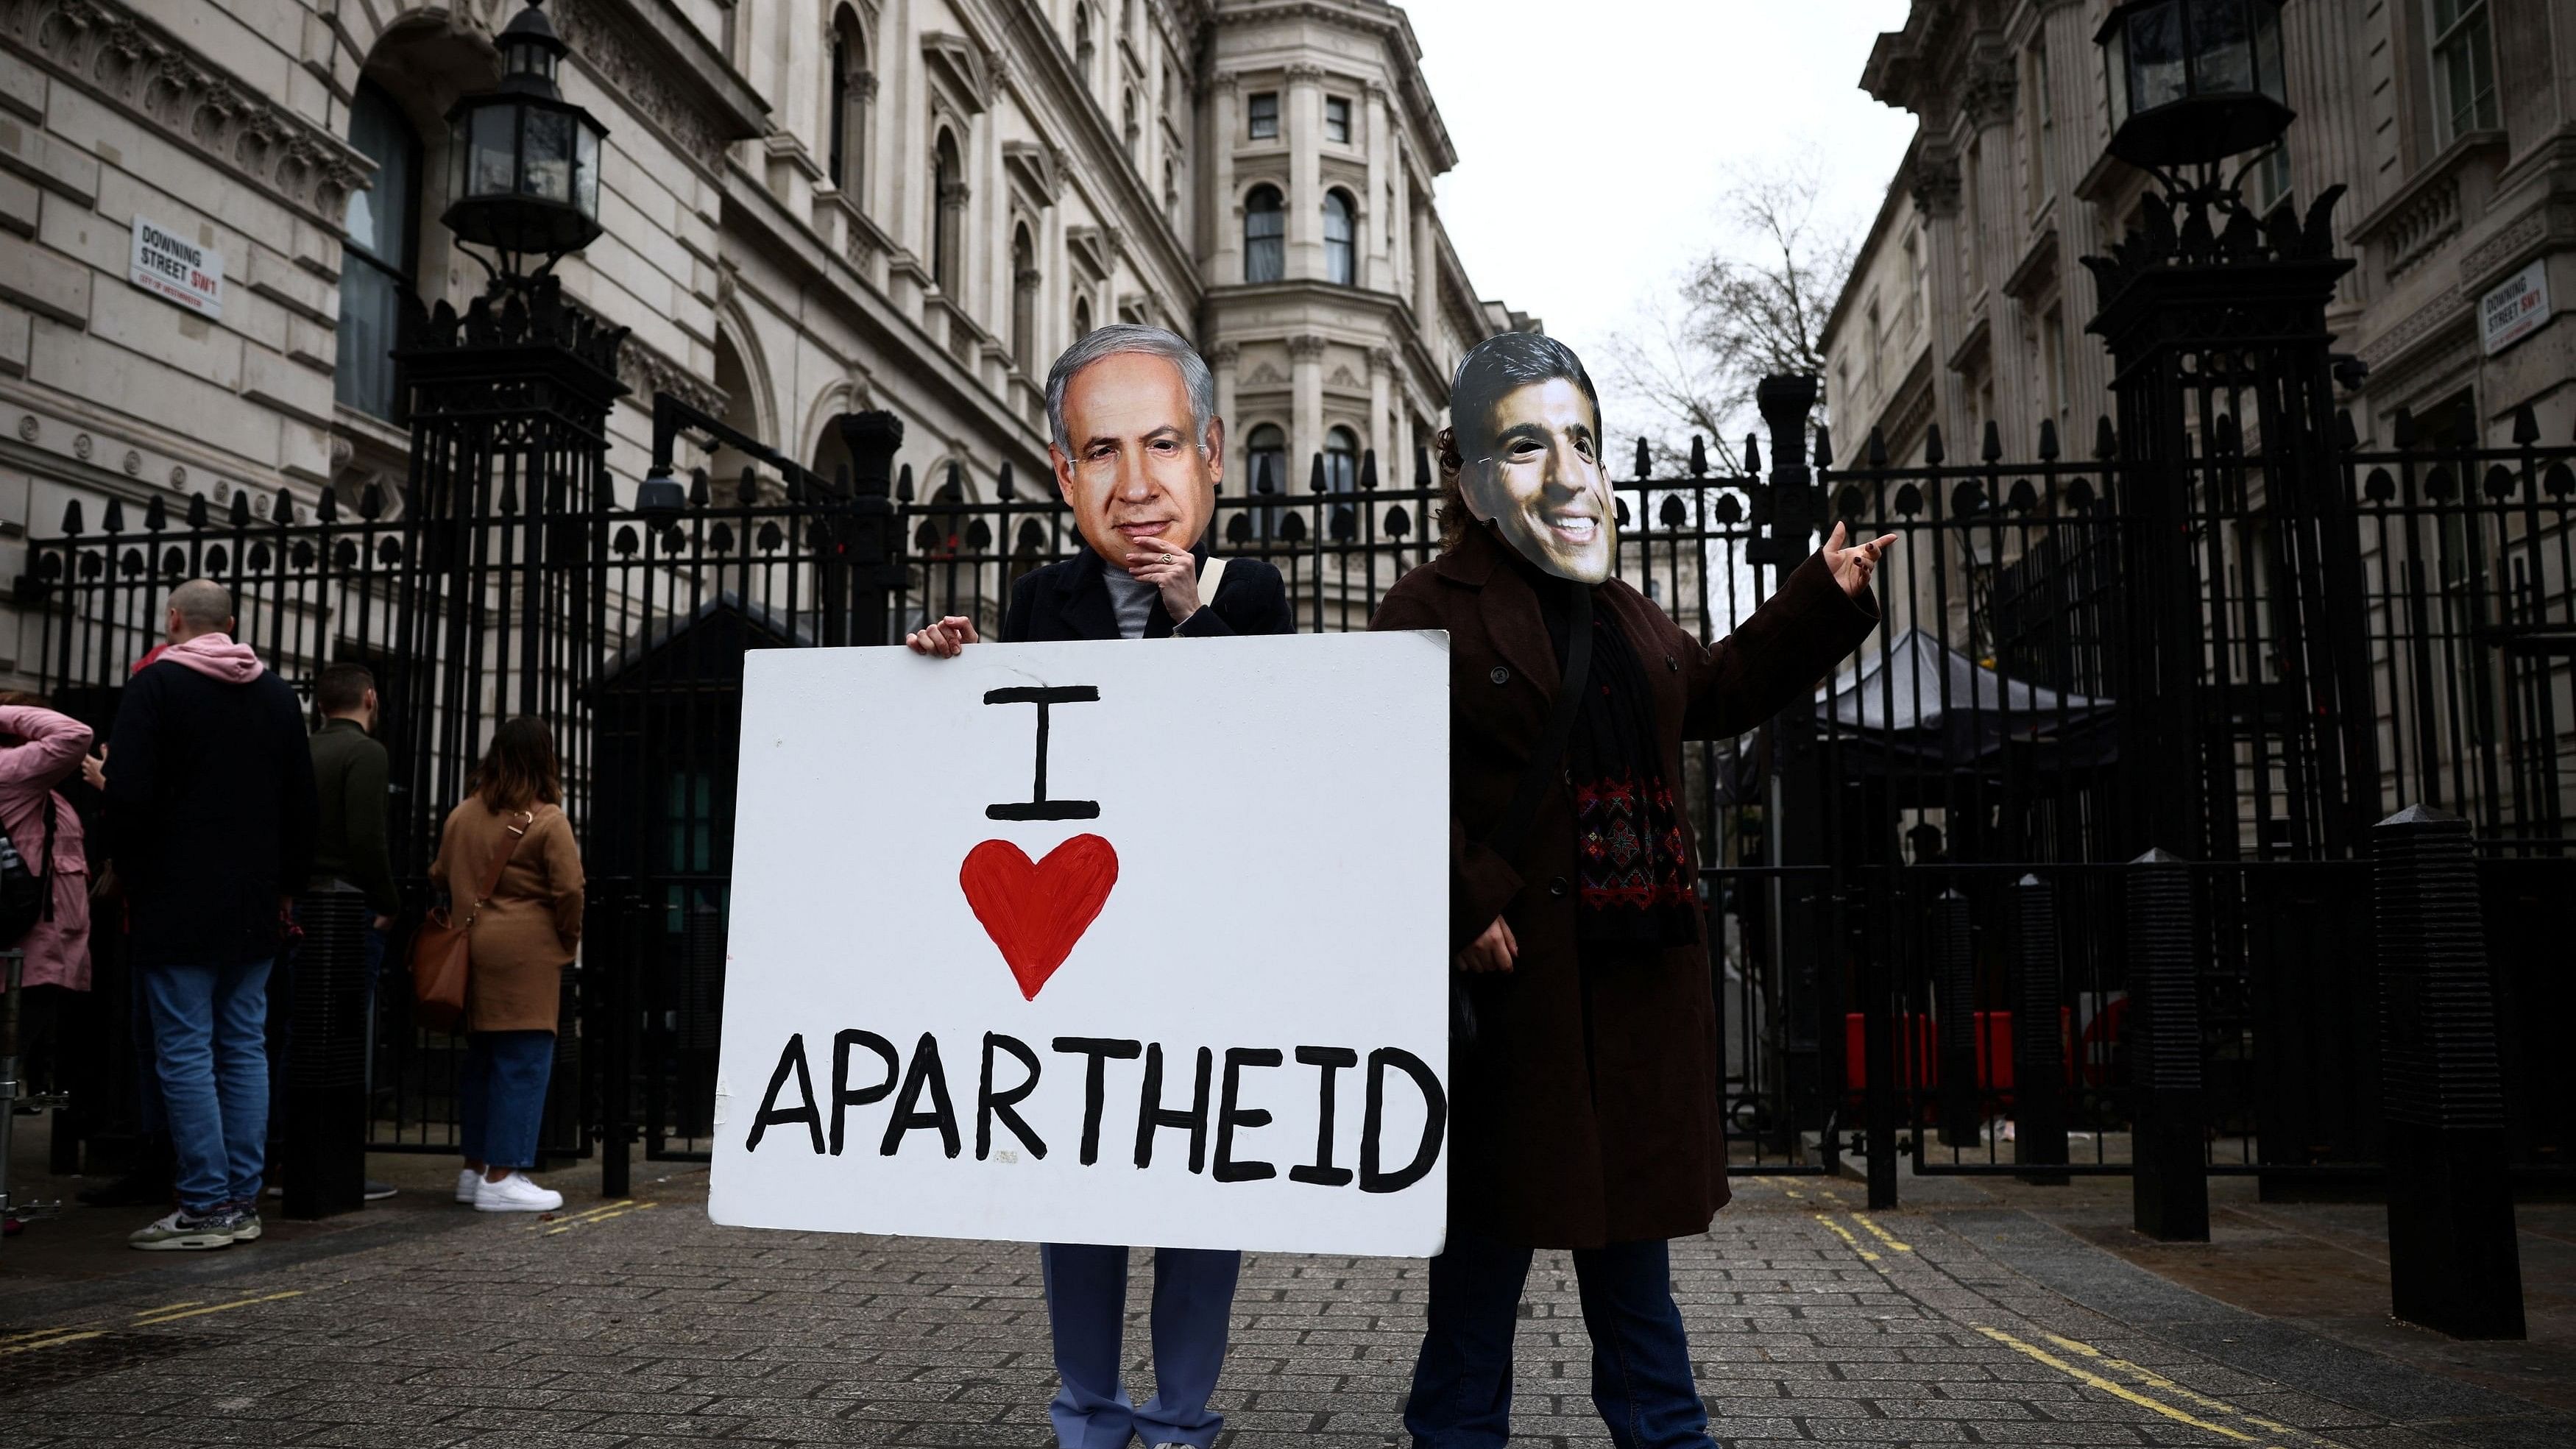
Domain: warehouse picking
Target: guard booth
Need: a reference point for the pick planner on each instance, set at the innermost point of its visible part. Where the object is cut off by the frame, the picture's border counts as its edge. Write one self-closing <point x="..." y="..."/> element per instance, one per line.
<point x="666" y="725"/>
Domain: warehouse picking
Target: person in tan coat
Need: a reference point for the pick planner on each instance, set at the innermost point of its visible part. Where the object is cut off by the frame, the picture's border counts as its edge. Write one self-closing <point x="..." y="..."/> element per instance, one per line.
<point x="523" y="932"/>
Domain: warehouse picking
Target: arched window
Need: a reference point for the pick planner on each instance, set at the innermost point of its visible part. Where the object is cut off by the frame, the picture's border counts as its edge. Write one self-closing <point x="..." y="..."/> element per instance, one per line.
<point x="1341" y="258"/>
<point x="1024" y="300"/>
<point x="1081" y="317"/>
<point x="948" y="219"/>
<point x="381" y="251"/>
<point x="1172" y="191"/>
<point x="1341" y="461"/>
<point x="1135" y="130"/>
<point x="1083" y="49"/>
<point x="1265" y="236"/>
<point x="848" y="103"/>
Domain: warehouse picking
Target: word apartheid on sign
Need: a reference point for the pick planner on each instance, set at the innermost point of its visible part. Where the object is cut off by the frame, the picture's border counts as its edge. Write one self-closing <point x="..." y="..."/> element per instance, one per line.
<point x="1134" y="942"/>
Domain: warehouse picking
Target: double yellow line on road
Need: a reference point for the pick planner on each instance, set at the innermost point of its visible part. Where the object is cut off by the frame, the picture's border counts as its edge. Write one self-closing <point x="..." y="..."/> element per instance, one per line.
<point x="2094" y="1369"/>
<point x="592" y="1217"/>
<point x="40" y="1338"/>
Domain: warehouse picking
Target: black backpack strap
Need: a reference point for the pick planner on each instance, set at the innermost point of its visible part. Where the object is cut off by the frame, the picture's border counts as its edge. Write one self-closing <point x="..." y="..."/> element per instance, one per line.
<point x="1547" y="761"/>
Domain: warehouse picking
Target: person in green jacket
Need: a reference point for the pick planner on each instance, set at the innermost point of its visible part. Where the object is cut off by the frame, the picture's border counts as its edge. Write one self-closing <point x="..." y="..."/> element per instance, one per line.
<point x="351" y="775"/>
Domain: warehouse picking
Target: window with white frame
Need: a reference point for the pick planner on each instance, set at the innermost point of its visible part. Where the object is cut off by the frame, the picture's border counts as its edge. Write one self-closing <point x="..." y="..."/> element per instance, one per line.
<point x="1337" y="119"/>
<point x="2463" y="67"/>
<point x="1262" y="112"/>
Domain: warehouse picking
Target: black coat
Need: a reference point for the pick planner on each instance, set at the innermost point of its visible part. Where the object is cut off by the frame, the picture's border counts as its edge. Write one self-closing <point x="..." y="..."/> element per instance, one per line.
<point x="1069" y="599"/>
<point x="210" y="786"/>
<point x="1587" y="1111"/>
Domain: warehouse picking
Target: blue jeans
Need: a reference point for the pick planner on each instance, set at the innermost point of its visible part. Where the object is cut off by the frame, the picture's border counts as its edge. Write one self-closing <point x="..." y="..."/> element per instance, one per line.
<point x="1086" y="1293"/>
<point x="504" y="1094"/>
<point x="1641" y="1368"/>
<point x="209" y="1038"/>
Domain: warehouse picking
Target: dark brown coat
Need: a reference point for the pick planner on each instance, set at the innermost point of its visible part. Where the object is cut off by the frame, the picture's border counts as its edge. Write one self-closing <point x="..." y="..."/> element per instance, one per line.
<point x="1539" y="1155"/>
<point x="525" y="935"/>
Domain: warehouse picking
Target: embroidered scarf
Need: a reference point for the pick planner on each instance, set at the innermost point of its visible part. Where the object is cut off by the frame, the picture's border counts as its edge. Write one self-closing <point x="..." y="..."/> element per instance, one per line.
<point x="1633" y="888"/>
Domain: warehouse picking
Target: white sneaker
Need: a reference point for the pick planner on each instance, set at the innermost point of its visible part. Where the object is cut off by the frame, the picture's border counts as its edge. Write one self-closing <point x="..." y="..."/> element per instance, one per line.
<point x="468" y="1183"/>
<point x="515" y="1194"/>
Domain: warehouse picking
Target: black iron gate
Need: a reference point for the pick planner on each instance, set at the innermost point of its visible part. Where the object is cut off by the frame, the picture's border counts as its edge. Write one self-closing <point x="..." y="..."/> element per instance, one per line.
<point x="1925" y="928"/>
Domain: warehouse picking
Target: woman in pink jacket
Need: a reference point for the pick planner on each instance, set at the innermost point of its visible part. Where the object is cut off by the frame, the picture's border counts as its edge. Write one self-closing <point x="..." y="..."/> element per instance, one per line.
<point x="45" y="749"/>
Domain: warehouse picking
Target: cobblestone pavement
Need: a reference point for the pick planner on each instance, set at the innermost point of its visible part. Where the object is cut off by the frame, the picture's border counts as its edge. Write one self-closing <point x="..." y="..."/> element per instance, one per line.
<point x="637" y="1323"/>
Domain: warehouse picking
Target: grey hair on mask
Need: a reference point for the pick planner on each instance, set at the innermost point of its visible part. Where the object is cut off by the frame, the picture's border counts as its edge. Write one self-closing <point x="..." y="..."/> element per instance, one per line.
<point x="1118" y="337"/>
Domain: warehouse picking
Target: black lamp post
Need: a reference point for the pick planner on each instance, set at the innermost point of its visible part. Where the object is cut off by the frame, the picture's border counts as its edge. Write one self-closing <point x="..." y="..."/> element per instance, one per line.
<point x="2193" y="81"/>
<point x="523" y="162"/>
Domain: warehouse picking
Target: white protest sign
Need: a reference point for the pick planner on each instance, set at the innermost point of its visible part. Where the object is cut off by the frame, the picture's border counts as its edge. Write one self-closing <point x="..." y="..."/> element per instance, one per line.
<point x="172" y="267"/>
<point x="2514" y="308"/>
<point x="1135" y="942"/>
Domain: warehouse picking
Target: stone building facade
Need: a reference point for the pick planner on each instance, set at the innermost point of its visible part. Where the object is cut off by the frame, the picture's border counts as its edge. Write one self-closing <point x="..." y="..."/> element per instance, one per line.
<point x="811" y="207"/>
<point x="2451" y="124"/>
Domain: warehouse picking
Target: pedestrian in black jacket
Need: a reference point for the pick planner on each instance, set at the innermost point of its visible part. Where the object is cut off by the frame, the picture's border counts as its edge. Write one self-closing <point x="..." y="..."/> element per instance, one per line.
<point x="210" y="787"/>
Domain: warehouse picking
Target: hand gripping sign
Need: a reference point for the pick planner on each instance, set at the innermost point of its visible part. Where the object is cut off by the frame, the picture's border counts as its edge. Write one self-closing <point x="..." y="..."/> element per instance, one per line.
<point x="1105" y="942"/>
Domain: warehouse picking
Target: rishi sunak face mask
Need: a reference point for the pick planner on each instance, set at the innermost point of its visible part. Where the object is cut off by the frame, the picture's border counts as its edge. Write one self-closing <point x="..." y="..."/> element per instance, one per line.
<point x="1527" y="432"/>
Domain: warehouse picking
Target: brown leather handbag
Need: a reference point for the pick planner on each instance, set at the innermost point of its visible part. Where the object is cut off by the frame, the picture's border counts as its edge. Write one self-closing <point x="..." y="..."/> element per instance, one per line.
<point x="441" y="953"/>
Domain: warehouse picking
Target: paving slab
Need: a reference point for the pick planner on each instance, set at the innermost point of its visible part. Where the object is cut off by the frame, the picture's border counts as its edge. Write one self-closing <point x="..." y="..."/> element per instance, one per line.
<point x="1965" y="1319"/>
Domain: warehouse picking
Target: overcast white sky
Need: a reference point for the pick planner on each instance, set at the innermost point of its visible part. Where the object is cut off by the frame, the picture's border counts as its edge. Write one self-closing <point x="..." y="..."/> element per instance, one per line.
<point x="1592" y="137"/>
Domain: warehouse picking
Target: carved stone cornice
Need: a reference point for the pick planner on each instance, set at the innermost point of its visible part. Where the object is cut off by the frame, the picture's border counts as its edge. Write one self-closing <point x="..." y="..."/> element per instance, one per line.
<point x="1382" y="358"/>
<point x="135" y="65"/>
<point x="649" y="371"/>
<point x="605" y="47"/>
<point x="963" y="66"/>
<point x="1304" y="73"/>
<point x="1936" y="185"/>
<point x="1306" y="347"/>
<point x="1225" y="354"/>
<point x="1987" y="98"/>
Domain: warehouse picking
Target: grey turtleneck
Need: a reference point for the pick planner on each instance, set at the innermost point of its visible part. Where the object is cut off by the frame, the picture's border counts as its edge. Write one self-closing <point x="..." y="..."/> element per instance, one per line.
<point x="1131" y="599"/>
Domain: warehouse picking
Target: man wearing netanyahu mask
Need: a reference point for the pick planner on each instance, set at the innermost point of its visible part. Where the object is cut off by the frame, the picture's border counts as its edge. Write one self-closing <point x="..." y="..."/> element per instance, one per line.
<point x="1138" y="452"/>
<point x="1583" y="1068"/>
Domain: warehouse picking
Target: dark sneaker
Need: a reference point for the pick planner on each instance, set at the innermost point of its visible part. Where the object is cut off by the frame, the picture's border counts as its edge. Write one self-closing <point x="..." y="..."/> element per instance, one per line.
<point x="183" y="1231"/>
<point x="378" y="1191"/>
<point x="244" y="1220"/>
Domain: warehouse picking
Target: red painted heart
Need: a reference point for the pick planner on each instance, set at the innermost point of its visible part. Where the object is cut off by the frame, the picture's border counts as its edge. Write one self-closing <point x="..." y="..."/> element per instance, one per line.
<point x="1035" y="912"/>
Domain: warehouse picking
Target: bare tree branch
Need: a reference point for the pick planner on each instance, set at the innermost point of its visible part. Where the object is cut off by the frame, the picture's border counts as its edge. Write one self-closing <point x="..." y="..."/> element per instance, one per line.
<point x="1755" y="305"/>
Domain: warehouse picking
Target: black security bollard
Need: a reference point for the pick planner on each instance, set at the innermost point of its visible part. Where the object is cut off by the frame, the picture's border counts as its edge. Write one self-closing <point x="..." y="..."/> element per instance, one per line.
<point x="2169" y="1174"/>
<point x="324" y="1096"/>
<point x="2453" y="1263"/>
<point x="2039" y="1062"/>
<point x="1954" y="977"/>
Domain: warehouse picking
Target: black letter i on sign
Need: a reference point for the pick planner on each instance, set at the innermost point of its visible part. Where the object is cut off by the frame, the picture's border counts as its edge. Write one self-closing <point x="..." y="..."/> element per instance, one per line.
<point x="1038" y="806"/>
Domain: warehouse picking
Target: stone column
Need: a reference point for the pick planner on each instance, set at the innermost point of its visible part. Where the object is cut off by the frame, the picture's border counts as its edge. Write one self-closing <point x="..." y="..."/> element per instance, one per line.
<point x="2323" y="60"/>
<point x="1381" y="437"/>
<point x="1305" y="124"/>
<point x="1306" y="415"/>
<point x="1426" y="278"/>
<point x="1376" y="249"/>
<point x="1936" y="194"/>
<point x="1224" y="360"/>
<point x="1224" y="210"/>
<point x="2078" y="135"/>
<point x="2002" y="230"/>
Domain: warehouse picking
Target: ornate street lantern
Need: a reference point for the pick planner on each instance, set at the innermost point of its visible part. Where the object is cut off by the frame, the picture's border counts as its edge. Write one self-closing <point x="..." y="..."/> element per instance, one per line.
<point x="2193" y="81"/>
<point x="523" y="163"/>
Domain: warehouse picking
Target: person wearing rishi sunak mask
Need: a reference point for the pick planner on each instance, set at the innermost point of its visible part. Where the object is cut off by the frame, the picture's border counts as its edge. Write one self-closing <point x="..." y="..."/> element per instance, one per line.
<point x="1584" y="1067"/>
<point x="1138" y="451"/>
